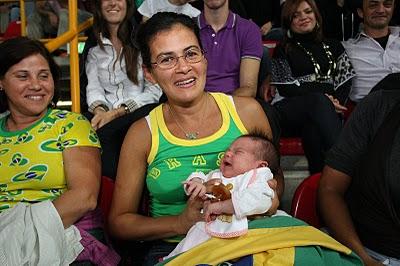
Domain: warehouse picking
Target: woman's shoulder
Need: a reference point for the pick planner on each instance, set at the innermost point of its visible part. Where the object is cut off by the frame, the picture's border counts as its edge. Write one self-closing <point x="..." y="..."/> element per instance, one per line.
<point x="245" y="103"/>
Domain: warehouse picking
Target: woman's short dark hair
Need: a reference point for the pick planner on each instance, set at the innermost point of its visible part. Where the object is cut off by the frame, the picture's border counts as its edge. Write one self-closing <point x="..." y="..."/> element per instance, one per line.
<point x="159" y="22"/>
<point x="14" y="51"/>
<point x="290" y="7"/>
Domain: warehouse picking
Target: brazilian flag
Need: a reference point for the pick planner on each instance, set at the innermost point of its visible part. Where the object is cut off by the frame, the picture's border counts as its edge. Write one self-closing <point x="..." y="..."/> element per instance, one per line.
<point x="279" y="240"/>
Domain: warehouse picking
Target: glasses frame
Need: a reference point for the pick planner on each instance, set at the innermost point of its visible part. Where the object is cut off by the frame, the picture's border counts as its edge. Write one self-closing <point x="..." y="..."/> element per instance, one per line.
<point x="177" y="59"/>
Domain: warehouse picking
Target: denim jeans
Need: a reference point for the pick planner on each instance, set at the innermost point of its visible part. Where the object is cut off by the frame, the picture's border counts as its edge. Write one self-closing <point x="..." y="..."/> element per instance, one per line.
<point x="157" y="251"/>
<point x="385" y="260"/>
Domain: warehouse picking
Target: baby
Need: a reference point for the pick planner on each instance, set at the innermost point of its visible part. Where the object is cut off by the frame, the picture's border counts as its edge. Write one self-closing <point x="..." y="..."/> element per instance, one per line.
<point x="245" y="169"/>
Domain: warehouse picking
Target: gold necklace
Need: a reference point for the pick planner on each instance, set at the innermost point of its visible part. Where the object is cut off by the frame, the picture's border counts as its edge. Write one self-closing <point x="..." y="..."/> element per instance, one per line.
<point x="317" y="68"/>
<point x="188" y="135"/>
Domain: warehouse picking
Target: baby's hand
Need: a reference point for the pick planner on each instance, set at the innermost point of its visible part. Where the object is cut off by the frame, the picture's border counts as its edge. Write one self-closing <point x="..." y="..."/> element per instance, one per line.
<point x="195" y="188"/>
<point x="213" y="209"/>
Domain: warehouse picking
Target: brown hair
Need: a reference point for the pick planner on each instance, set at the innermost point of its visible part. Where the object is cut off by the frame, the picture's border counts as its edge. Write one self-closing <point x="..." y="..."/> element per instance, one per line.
<point x="288" y="10"/>
<point x="266" y="150"/>
<point x="125" y="35"/>
<point x="162" y="21"/>
<point x="15" y="50"/>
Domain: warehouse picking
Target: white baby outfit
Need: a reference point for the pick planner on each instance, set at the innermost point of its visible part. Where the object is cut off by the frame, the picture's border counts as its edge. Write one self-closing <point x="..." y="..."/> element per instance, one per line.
<point x="251" y="195"/>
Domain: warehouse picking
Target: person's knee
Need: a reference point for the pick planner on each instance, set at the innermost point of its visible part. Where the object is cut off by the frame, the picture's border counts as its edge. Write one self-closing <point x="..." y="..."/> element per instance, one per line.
<point x="319" y="102"/>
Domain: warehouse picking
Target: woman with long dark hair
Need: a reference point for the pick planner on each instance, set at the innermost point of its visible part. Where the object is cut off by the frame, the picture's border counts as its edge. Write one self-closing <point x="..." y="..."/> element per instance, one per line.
<point x="116" y="88"/>
<point x="313" y="77"/>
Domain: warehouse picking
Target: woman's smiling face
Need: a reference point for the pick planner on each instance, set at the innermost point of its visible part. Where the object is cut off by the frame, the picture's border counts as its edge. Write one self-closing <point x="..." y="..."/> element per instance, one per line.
<point x="184" y="81"/>
<point x="303" y="20"/>
<point x="29" y="86"/>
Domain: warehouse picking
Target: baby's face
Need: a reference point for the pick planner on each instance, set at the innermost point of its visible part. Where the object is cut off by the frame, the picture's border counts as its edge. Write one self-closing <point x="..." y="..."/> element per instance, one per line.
<point x="239" y="158"/>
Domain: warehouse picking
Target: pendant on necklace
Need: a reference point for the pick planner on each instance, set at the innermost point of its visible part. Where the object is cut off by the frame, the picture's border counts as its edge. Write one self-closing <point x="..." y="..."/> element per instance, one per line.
<point x="191" y="135"/>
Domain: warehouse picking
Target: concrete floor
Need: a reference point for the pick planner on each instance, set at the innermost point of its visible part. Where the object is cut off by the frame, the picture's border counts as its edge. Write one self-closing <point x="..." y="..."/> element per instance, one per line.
<point x="294" y="171"/>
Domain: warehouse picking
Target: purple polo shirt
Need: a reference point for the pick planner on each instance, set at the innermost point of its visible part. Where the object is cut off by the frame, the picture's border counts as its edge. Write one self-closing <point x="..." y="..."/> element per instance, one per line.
<point x="239" y="38"/>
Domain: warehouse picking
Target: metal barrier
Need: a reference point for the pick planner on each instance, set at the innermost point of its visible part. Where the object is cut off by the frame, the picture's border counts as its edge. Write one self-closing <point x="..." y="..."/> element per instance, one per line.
<point x="70" y="36"/>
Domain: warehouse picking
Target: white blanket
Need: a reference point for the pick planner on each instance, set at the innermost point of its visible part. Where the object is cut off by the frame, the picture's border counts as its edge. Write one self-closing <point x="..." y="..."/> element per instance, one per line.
<point x="34" y="235"/>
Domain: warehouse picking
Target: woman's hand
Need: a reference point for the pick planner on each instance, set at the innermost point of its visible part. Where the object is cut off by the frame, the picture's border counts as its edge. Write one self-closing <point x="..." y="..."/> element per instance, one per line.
<point x="268" y="92"/>
<point x="190" y="215"/>
<point x="368" y="261"/>
<point x="338" y="107"/>
<point x="102" y="117"/>
<point x="266" y="28"/>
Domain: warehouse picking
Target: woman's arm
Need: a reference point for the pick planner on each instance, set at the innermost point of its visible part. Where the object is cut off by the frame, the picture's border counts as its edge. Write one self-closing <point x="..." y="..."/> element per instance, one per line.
<point x="82" y="166"/>
<point x="95" y="94"/>
<point x="249" y="68"/>
<point x="146" y="93"/>
<point x="124" y="220"/>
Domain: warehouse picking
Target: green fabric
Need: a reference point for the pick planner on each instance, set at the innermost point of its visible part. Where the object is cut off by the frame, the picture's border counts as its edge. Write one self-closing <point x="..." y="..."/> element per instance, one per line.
<point x="304" y="254"/>
<point x="138" y="3"/>
<point x="174" y="162"/>
<point x="316" y="255"/>
<point x="31" y="160"/>
<point x="275" y="222"/>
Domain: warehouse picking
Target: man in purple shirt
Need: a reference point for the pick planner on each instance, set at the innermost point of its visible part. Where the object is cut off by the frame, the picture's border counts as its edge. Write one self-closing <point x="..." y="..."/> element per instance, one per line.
<point x="233" y="49"/>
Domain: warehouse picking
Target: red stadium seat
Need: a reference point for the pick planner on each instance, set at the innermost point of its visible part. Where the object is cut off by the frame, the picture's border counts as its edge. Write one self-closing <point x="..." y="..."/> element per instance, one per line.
<point x="304" y="202"/>
<point x="105" y="196"/>
<point x="13" y="30"/>
<point x="291" y="146"/>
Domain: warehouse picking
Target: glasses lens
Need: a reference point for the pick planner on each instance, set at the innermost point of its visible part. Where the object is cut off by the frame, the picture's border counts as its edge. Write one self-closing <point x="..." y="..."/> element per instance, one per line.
<point x="169" y="61"/>
<point x="193" y="55"/>
<point x="166" y="62"/>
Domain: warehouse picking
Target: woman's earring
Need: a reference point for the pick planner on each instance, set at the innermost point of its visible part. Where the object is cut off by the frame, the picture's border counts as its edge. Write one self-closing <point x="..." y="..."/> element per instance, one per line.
<point x="317" y="25"/>
<point x="52" y="105"/>
<point x="289" y="34"/>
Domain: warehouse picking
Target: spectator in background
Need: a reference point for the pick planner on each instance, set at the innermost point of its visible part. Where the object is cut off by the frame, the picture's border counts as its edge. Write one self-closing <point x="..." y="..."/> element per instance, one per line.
<point x="233" y="49"/>
<point x="341" y="21"/>
<point x="149" y="7"/>
<point x="116" y="91"/>
<point x="50" y="19"/>
<point x="313" y="77"/>
<point x="374" y="53"/>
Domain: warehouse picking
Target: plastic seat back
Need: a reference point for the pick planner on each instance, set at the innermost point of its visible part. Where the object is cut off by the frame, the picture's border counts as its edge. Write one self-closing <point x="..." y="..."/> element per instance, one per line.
<point x="13" y="30"/>
<point x="105" y="196"/>
<point x="304" y="202"/>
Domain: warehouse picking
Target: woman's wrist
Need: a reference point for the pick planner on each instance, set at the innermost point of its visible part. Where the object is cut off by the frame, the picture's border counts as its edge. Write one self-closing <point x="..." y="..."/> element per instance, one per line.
<point x="99" y="109"/>
<point x="120" y="111"/>
<point x="179" y="227"/>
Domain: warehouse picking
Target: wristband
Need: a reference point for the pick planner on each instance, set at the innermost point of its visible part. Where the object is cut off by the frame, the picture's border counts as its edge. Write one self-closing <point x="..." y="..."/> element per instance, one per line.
<point x="102" y="106"/>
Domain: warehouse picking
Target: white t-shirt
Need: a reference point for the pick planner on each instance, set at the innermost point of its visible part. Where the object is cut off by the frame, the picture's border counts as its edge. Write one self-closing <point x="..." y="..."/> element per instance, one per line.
<point x="150" y="7"/>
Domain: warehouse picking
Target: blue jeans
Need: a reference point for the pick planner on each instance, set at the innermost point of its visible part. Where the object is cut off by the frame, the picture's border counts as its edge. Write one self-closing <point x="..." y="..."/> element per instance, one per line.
<point x="157" y="251"/>
<point x="385" y="260"/>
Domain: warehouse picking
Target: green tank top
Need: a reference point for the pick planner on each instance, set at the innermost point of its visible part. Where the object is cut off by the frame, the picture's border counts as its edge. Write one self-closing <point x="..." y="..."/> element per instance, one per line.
<point x="172" y="160"/>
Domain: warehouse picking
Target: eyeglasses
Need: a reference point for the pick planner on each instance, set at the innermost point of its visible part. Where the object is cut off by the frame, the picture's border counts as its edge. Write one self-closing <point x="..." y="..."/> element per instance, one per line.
<point x="191" y="56"/>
